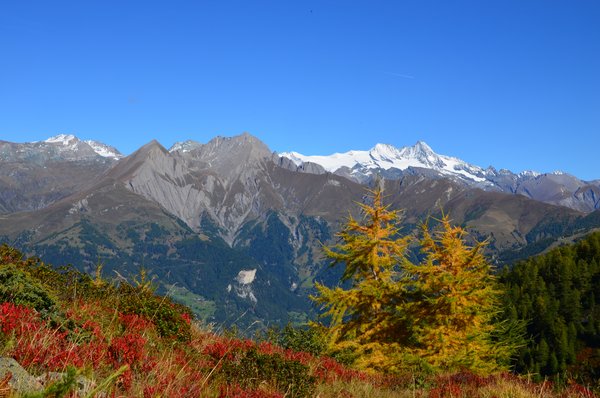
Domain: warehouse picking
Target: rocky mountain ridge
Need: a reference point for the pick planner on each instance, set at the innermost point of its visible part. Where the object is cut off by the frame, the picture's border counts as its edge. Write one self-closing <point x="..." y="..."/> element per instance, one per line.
<point x="203" y="218"/>
<point x="34" y="175"/>
<point x="382" y="160"/>
<point x="390" y="162"/>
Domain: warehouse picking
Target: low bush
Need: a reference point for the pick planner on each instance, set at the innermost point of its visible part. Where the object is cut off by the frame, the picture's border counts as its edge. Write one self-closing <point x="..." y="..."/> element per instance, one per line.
<point x="18" y="287"/>
<point x="172" y="320"/>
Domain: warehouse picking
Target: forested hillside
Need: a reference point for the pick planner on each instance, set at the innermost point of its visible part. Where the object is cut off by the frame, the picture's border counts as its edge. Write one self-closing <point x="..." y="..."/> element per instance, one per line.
<point x="558" y="294"/>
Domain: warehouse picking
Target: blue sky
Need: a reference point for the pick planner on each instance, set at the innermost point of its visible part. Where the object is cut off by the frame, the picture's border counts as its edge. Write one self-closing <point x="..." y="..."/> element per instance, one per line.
<point x="514" y="84"/>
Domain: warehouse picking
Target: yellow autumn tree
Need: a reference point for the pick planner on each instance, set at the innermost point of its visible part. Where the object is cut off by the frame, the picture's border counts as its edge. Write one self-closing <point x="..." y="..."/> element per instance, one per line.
<point x="396" y="315"/>
<point x="453" y="304"/>
<point x="364" y="319"/>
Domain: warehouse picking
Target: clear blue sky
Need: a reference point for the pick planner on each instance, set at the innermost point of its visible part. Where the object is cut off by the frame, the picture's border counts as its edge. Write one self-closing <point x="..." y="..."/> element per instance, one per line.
<point x="514" y="84"/>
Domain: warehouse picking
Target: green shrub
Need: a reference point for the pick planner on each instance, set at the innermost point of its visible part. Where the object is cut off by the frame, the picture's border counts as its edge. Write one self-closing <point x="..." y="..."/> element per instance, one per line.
<point x="18" y="287"/>
<point x="298" y="339"/>
<point x="253" y="368"/>
<point x="171" y="319"/>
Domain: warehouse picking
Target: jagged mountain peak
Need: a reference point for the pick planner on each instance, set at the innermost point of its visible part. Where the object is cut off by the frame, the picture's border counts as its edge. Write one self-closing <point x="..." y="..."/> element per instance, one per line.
<point x="70" y="142"/>
<point x="422" y="145"/>
<point x="386" y="157"/>
<point x="154" y="144"/>
<point x="230" y="153"/>
<point x="185" y="146"/>
<point x="245" y="140"/>
<point x="58" y="148"/>
<point x="106" y="151"/>
<point x="148" y="151"/>
<point x="418" y="151"/>
<point x="64" y="139"/>
<point x="527" y="173"/>
<point x="383" y="151"/>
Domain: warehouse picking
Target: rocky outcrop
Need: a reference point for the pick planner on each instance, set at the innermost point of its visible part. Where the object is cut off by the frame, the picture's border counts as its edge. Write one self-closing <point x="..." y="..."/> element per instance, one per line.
<point x="18" y="379"/>
<point x="14" y="379"/>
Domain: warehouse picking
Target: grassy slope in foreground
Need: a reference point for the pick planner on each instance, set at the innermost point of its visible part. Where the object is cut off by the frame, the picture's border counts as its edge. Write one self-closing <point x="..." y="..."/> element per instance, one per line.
<point x="132" y="343"/>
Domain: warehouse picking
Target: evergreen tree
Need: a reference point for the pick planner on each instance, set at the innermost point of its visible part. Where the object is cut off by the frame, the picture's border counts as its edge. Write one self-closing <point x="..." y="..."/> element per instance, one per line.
<point x="556" y="293"/>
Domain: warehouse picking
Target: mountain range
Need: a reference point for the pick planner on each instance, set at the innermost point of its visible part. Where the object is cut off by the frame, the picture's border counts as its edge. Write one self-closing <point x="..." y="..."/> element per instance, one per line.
<point x="235" y="230"/>
<point x="390" y="162"/>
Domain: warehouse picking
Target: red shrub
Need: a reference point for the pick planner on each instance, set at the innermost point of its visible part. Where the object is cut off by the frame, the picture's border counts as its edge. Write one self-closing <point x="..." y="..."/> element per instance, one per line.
<point x="134" y="323"/>
<point x="299" y="356"/>
<point x="127" y="349"/>
<point x="329" y="370"/>
<point x="577" y="391"/>
<point x="227" y="348"/>
<point x="236" y="391"/>
<point x="218" y="350"/>
<point x="15" y="316"/>
<point x="94" y="328"/>
<point x="268" y="348"/>
<point x="450" y="390"/>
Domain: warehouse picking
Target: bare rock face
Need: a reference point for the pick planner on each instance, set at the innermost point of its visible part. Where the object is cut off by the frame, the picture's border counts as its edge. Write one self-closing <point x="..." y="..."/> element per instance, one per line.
<point x="83" y="386"/>
<point x="304" y="167"/>
<point x="228" y="156"/>
<point x="20" y="380"/>
<point x="559" y="189"/>
<point x="225" y="178"/>
<point x="589" y="195"/>
<point x="155" y="174"/>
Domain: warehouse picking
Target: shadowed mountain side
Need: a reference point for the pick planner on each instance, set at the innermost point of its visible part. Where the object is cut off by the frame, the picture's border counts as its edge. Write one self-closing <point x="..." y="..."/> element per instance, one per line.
<point x="509" y="222"/>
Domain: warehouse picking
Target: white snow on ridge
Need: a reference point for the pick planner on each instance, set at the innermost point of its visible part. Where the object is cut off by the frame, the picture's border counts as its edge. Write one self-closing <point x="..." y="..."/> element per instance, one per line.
<point x="529" y="173"/>
<point x="104" y="150"/>
<point x="330" y="163"/>
<point x="185" y="146"/>
<point x="64" y="139"/>
<point x="72" y="143"/>
<point x="384" y="156"/>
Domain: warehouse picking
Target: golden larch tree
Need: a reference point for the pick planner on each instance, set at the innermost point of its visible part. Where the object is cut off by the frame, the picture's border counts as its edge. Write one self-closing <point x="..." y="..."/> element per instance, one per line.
<point x="453" y="304"/>
<point x="364" y="318"/>
<point x="396" y="315"/>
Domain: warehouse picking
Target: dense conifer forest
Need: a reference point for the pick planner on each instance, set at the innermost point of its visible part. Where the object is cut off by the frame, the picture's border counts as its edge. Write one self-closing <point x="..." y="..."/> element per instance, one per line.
<point x="558" y="294"/>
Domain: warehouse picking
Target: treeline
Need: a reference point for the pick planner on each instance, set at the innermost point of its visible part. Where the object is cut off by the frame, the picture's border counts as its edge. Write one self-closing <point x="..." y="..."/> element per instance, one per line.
<point x="558" y="295"/>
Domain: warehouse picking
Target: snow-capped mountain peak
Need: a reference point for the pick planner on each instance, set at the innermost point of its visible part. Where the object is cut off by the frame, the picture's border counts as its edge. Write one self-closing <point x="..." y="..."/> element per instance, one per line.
<point x="529" y="173"/>
<point x="104" y="150"/>
<point x="70" y="143"/>
<point x="386" y="157"/>
<point x="64" y="139"/>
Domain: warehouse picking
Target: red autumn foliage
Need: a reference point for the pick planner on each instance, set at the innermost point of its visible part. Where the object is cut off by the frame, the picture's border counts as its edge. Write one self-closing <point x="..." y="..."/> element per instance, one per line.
<point x="134" y="323"/>
<point x="236" y="391"/>
<point x="127" y="350"/>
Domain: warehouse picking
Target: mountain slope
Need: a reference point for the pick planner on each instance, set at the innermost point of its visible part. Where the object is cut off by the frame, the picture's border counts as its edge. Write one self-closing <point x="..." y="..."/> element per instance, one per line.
<point x="35" y="175"/>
